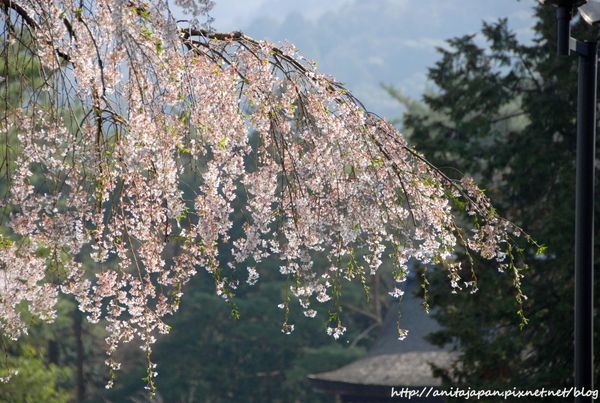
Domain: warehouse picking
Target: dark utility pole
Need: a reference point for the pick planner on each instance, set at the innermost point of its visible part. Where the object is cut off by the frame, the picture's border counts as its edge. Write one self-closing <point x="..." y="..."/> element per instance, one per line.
<point x="584" y="196"/>
<point x="584" y="216"/>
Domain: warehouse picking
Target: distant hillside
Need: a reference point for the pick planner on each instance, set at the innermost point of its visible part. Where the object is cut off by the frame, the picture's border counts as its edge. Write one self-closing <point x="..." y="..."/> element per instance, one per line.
<point x="366" y="43"/>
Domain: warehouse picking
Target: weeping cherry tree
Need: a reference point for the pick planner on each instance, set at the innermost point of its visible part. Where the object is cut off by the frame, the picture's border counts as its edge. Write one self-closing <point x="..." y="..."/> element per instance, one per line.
<point x="125" y="131"/>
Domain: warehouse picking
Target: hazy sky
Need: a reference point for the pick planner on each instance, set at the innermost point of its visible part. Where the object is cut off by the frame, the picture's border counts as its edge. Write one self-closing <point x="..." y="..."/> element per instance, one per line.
<point x="374" y="41"/>
<point x="237" y="14"/>
<point x="233" y="15"/>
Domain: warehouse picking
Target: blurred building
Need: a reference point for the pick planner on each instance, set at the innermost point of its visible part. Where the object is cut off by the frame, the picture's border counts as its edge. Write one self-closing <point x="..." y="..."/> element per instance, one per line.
<point x="404" y="365"/>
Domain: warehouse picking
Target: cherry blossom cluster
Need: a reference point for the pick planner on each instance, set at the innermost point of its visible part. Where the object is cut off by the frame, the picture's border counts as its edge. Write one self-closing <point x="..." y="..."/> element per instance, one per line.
<point x="150" y="139"/>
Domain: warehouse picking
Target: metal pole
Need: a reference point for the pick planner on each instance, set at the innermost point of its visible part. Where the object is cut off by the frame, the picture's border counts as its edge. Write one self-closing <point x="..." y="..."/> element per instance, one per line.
<point x="584" y="219"/>
<point x="563" y="16"/>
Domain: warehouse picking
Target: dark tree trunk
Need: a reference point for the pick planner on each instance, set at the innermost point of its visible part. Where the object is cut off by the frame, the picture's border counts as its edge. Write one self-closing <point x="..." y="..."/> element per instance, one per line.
<point x="78" y="332"/>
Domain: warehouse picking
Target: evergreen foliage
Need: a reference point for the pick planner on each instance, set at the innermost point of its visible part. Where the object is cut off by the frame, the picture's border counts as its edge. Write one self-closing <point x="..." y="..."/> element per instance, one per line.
<point x="504" y="112"/>
<point x="34" y="381"/>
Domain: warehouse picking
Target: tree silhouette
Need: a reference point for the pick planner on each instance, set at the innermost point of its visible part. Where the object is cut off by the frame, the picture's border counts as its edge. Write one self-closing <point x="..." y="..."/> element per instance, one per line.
<point x="504" y="110"/>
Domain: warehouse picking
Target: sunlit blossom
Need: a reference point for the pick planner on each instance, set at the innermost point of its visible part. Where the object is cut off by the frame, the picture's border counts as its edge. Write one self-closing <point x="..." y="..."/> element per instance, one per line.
<point x="160" y="135"/>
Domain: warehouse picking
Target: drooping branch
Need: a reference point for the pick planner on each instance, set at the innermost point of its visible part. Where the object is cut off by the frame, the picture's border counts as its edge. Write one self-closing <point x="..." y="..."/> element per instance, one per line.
<point x="14" y="5"/>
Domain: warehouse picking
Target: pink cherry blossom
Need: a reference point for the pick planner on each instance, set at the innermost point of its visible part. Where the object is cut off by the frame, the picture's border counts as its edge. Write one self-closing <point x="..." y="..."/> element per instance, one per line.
<point x="127" y="165"/>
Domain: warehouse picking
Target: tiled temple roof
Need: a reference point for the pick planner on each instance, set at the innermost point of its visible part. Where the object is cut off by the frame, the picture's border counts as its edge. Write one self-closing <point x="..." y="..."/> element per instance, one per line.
<point x="392" y="362"/>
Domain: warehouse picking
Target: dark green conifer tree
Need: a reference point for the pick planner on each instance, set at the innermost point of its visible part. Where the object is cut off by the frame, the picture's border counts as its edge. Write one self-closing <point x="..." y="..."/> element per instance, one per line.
<point x="504" y="112"/>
